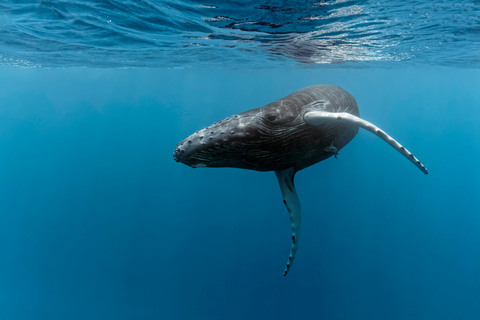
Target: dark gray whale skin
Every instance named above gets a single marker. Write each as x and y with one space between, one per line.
274 137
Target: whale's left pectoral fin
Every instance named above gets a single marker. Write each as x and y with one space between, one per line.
319 117
291 201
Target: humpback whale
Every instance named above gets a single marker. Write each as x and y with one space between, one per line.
285 136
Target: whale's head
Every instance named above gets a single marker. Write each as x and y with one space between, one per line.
274 137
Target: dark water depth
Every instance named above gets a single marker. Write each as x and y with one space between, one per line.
97 221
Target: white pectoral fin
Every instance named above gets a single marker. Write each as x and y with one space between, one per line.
291 201
320 117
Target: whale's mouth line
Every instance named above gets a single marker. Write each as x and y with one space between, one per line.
273 147
252 142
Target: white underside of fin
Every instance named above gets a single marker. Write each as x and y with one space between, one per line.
320 117
291 201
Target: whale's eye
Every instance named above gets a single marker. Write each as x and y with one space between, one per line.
271 117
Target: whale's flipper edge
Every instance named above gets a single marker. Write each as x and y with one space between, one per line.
319 117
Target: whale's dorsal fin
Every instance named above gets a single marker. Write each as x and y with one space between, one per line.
291 201
320 117
332 149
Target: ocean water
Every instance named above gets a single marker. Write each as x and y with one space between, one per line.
97 221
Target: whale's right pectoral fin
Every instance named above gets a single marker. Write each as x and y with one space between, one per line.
320 117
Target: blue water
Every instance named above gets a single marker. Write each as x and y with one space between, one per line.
97 221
